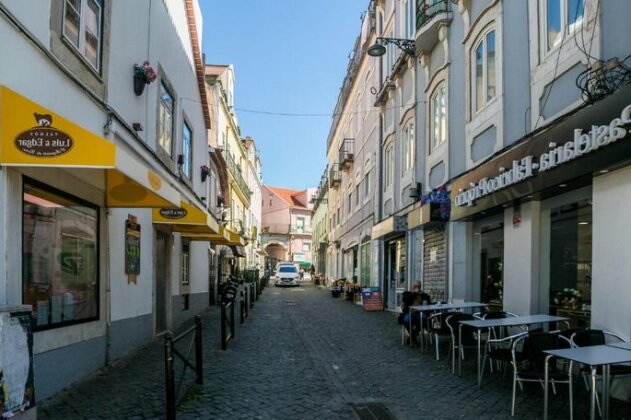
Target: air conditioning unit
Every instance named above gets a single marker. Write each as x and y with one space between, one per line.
415 192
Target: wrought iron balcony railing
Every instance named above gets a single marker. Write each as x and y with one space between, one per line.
346 155
335 178
235 170
427 9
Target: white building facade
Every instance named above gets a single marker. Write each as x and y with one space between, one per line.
92 162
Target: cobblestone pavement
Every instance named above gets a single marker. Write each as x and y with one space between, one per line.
302 353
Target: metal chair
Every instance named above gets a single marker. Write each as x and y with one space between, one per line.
458 342
529 363
438 329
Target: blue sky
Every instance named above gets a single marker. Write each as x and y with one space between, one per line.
290 56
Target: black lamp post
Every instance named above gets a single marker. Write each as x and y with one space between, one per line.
379 48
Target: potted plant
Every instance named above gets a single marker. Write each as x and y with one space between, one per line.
143 75
568 298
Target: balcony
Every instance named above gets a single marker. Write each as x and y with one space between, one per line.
301 230
235 170
346 155
335 179
430 16
277 228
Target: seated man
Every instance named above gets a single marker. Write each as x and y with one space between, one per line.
414 298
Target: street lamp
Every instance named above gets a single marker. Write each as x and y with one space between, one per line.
378 48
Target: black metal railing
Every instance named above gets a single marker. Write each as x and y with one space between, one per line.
243 299
334 175
427 9
227 322
177 386
346 156
237 174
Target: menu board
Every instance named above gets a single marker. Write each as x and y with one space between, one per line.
371 298
132 249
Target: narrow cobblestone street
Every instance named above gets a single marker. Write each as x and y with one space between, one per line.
304 354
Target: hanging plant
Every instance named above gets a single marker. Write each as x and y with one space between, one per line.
439 197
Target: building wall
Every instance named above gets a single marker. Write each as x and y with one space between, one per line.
125 318
610 251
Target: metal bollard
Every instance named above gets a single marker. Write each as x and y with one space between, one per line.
169 375
199 363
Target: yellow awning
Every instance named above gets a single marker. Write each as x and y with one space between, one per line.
223 237
186 219
33 136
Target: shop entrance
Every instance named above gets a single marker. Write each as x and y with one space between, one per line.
161 287
395 259
492 264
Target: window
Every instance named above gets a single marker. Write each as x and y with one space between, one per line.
165 119
483 72
389 165
410 19
390 56
367 184
350 203
357 196
186 263
187 153
306 246
408 146
561 16
300 225
82 28
438 118
59 257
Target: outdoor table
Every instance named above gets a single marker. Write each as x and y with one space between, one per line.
481 324
601 355
441 307
622 345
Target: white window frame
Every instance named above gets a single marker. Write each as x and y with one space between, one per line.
408 142
161 129
389 165
408 24
187 150
564 29
83 5
483 41
434 142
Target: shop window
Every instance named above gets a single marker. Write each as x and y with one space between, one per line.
571 261
364 263
59 257
492 264
165 119
82 28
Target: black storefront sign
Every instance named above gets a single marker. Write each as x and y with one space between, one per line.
524 168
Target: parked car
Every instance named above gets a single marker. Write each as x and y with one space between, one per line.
287 275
